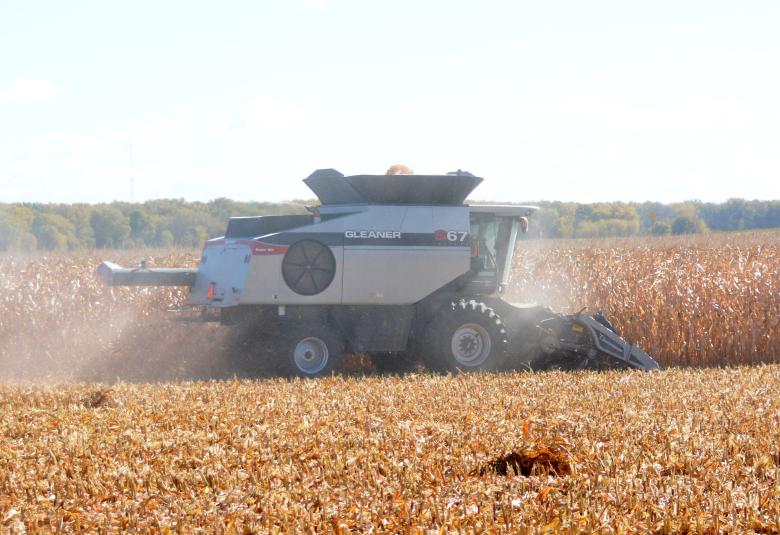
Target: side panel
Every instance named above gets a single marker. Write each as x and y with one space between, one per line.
400 275
404 268
385 255
262 282
265 284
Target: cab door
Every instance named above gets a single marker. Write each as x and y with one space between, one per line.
492 246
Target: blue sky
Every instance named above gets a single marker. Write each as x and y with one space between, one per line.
587 101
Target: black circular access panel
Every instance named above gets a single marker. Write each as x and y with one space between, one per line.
308 267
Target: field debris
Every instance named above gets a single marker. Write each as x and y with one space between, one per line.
99 398
528 461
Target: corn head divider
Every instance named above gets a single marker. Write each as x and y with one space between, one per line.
396 267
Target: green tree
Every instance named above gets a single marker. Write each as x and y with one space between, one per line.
164 238
684 225
142 228
81 216
53 232
191 227
661 228
110 226
606 219
15 224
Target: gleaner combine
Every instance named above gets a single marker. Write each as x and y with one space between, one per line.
397 267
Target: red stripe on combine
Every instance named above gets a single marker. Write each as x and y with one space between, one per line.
268 249
230 241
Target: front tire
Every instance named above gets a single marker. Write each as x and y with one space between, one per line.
314 350
467 336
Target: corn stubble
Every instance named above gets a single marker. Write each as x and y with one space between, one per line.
682 451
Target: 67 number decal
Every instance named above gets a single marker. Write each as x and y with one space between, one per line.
452 236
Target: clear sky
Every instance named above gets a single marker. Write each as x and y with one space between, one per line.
557 100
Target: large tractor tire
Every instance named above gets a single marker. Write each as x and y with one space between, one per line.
467 336
313 349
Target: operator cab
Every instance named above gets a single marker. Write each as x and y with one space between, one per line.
493 230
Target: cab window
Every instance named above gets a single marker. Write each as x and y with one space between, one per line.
489 240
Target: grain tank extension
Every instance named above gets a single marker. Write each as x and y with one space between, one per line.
397 267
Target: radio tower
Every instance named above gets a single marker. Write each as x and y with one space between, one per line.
132 192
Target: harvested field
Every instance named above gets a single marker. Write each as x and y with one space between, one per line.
681 451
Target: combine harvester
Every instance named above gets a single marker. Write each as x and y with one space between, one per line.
397 267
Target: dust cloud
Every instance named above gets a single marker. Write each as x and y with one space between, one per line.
535 279
58 323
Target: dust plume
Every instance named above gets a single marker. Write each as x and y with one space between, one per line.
539 277
59 323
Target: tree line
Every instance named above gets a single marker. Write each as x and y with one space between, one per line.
158 223
176 222
619 219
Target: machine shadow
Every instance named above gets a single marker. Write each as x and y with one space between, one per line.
152 351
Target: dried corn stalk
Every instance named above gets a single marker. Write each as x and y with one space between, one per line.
702 301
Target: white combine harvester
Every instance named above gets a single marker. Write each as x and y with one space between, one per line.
397 267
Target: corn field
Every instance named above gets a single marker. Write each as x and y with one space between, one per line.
694 301
700 301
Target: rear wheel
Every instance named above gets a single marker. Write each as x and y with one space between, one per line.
466 336
313 350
